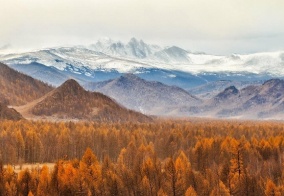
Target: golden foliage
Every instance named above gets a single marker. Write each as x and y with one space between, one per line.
18 89
161 158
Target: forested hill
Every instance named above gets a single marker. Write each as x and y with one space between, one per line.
17 88
71 101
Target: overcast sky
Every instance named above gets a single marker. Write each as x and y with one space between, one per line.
212 26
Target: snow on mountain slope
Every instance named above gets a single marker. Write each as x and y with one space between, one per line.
133 49
78 57
173 54
137 54
111 57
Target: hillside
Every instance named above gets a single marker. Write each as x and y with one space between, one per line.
71 101
149 97
17 88
264 101
211 89
9 113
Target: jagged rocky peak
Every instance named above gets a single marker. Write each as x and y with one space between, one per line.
134 40
138 44
142 43
102 44
134 48
117 45
139 49
105 40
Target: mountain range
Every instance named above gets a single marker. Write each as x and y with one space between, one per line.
264 101
257 101
107 59
70 101
136 49
148 97
146 78
25 97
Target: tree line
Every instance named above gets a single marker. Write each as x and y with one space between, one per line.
159 158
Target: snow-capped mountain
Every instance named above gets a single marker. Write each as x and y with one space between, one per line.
136 49
108 59
132 49
172 55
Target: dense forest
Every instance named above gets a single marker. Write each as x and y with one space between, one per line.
157 158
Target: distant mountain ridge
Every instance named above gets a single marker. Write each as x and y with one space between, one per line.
211 89
71 101
145 96
202 76
108 59
264 101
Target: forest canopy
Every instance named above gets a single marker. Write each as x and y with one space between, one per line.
157 158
